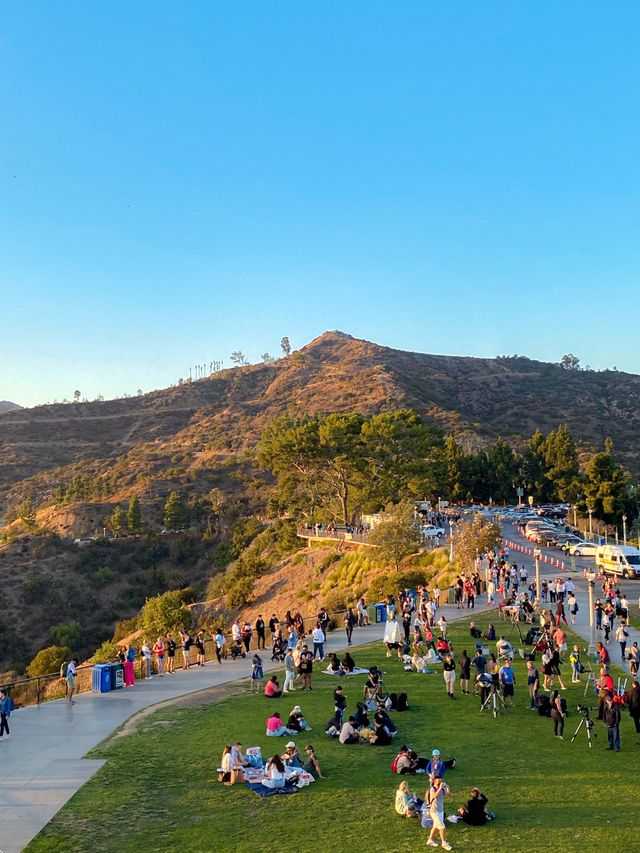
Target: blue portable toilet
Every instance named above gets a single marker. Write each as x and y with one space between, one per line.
101 678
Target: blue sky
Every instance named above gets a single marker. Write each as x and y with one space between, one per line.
178 181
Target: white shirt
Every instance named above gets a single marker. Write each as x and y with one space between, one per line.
236 631
317 635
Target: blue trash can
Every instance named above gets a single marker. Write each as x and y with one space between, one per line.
101 678
117 676
381 612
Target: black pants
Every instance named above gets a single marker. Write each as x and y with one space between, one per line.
636 721
4 725
261 640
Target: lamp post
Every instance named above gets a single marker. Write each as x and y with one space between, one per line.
624 529
537 553
590 511
451 540
575 517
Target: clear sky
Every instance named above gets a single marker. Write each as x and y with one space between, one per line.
180 180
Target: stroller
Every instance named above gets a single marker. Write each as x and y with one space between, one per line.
279 650
237 651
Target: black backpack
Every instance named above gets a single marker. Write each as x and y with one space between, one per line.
393 699
402 702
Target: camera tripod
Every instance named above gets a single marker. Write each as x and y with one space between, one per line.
587 722
496 700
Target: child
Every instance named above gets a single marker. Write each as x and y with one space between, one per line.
256 673
574 660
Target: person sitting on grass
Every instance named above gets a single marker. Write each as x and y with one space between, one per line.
407 803
274 773
334 663
490 633
348 662
475 632
474 812
272 688
291 756
296 721
311 764
348 732
382 718
372 685
504 649
333 726
436 767
362 716
275 726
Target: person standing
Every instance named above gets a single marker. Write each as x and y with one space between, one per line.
289 671
557 715
218 644
274 628
72 675
464 662
185 640
349 623
159 652
449 674
171 646
574 660
572 601
306 667
621 637
247 633
260 632
317 635
6 706
257 673
611 719
129 667
597 609
634 705
633 656
533 684
507 678
145 651
199 643
434 798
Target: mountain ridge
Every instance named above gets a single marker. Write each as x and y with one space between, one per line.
173 435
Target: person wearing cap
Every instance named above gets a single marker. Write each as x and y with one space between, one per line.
291 756
296 721
436 767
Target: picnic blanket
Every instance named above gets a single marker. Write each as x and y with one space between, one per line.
259 789
342 672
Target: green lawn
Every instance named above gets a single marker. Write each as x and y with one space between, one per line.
158 790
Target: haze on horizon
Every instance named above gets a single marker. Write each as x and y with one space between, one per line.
182 182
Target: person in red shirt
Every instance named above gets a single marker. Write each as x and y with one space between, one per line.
603 656
605 688
272 688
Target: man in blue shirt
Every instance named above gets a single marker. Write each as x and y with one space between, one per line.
507 680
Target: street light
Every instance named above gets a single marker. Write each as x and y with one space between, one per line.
575 517
590 511
537 553
624 529
451 540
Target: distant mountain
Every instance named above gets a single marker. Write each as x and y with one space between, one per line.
196 433
7 406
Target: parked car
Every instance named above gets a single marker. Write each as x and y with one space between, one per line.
583 549
431 532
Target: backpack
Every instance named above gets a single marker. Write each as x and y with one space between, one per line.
393 700
402 702
63 669
394 764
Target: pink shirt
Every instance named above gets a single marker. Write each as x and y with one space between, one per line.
273 724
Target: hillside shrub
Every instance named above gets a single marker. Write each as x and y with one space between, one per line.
125 627
107 652
67 634
240 592
48 661
164 613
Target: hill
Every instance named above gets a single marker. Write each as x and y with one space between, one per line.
8 406
199 431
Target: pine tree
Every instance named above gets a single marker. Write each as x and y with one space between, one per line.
175 512
285 346
116 521
134 516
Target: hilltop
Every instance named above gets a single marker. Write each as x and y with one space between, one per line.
8 406
201 433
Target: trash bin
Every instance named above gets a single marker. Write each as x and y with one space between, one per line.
117 676
372 613
101 678
452 596
381 612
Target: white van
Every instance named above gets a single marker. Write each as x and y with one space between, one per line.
620 560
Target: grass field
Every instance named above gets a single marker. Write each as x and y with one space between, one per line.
158 790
